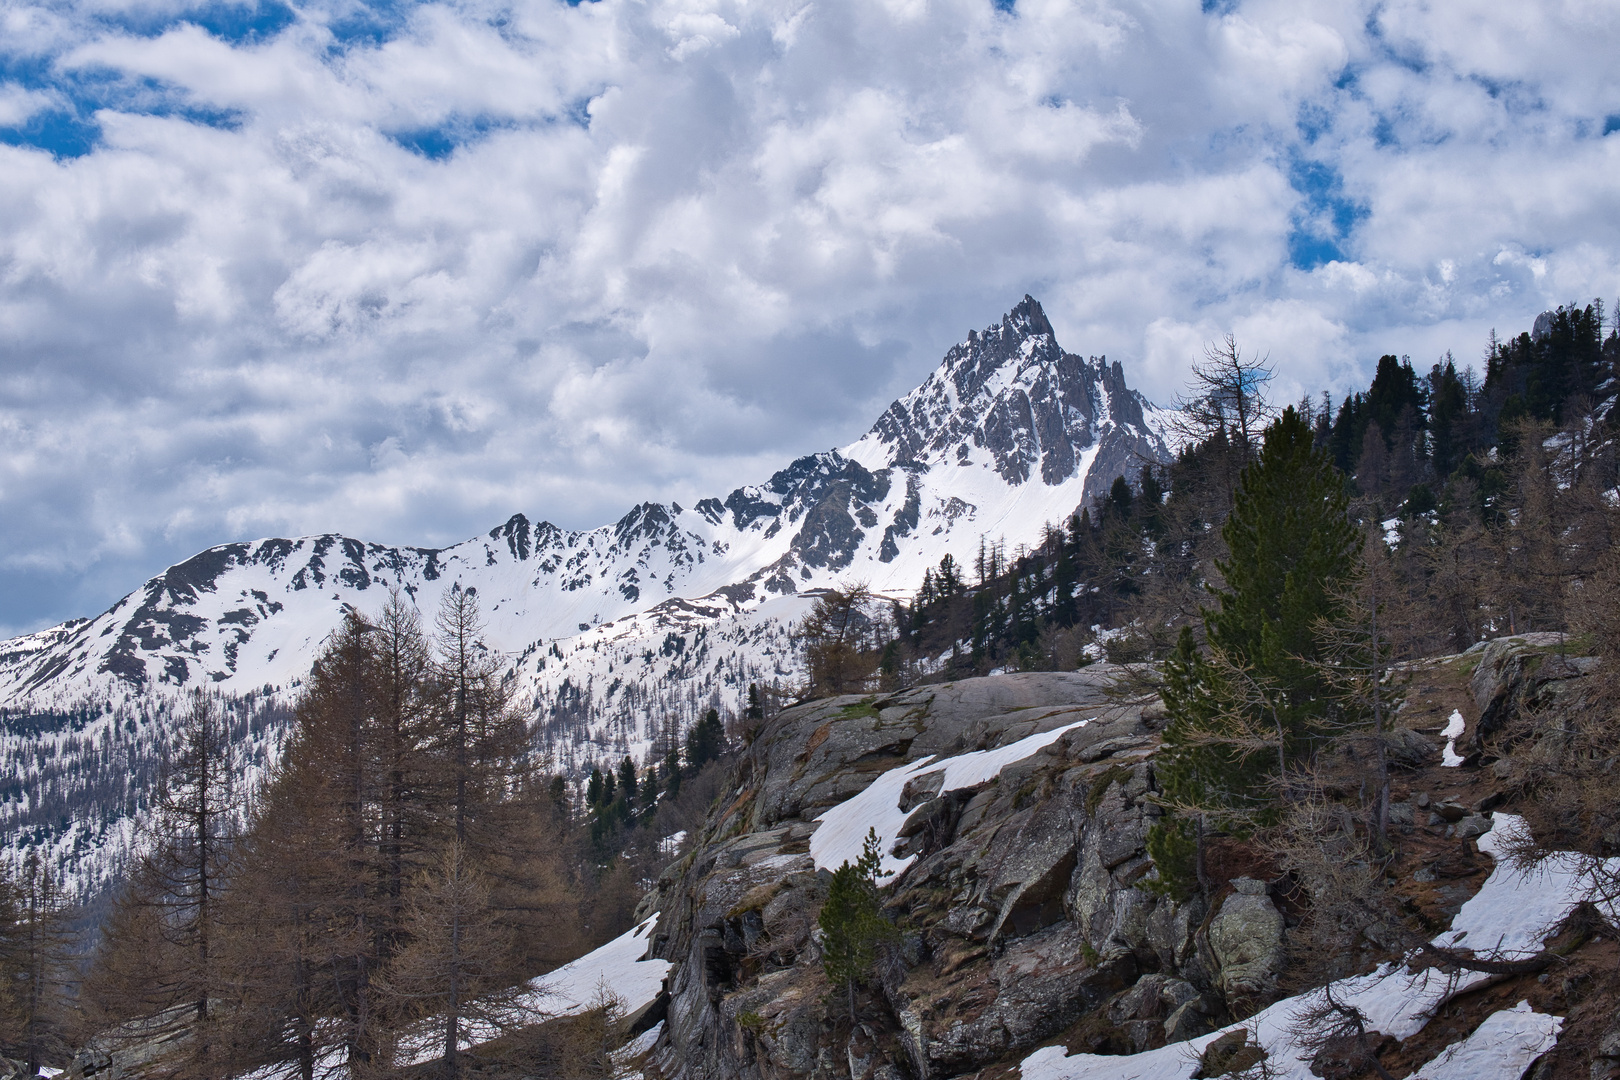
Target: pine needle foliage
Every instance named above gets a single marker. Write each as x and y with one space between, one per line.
853 929
1245 709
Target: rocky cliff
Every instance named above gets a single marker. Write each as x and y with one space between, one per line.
1013 813
1017 898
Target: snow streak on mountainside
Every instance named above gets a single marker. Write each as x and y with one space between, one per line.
612 632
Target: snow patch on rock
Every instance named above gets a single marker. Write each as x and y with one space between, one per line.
1509 917
844 827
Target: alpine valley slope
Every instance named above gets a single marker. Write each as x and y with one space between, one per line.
610 634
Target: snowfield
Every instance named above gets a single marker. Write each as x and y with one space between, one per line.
616 969
1504 1045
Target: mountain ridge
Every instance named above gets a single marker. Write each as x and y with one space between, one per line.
612 635
833 498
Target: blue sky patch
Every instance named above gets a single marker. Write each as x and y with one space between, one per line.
238 24
1611 124
441 140
578 112
245 24
60 132
435 144
369 24
1323 224
1384 131
1401 56
1218 7
1314 121
69 129
1514 95
29 72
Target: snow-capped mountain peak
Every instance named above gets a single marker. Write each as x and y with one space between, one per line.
610 632
1011 396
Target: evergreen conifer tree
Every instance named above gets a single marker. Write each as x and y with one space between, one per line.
1241 714
672 773
705 740
853 928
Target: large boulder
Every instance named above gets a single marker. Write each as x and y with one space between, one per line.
1518 674
135 1049
1246 938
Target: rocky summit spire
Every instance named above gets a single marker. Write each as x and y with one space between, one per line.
1029 317
1011 397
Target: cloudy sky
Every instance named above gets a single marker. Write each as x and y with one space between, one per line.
400 270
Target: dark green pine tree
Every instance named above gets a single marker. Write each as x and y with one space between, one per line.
1395 388
672 773
1448 419
1120 497
853 928
1150 503
1065 611
1293 547
706 740
1344 441
627 778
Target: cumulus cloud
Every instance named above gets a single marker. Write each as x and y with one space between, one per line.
402 269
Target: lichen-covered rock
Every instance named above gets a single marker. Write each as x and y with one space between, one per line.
1145 1011
135 1049
1102 899
1517 673
822 753
1188 1022
1229 1055
1246 938
1408 749
1039 985
1606 1054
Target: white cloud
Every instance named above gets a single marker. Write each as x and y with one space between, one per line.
515 255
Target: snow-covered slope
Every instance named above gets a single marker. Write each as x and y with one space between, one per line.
613 631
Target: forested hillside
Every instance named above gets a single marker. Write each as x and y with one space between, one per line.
1490 493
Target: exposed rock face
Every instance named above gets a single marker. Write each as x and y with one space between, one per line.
135 1049
1606 1055
1014 392
1246 937
1021 912
1527 671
